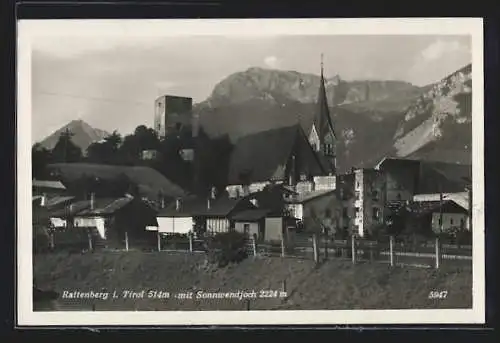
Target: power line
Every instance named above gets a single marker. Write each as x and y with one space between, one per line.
138 103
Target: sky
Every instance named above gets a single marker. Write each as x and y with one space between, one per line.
112 82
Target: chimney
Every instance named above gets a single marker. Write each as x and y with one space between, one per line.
43 200
213 193
177 204
92 200
208 203
162 202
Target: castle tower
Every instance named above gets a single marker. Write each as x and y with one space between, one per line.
322 136
172 114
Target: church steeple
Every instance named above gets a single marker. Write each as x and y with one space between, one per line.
322 136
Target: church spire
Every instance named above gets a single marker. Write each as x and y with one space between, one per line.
322 136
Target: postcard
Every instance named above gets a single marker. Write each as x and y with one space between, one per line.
250 172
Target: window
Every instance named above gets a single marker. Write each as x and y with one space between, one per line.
357 184
451 221
357 195
440 222
328 149
376 213
246 229
375 195
398 196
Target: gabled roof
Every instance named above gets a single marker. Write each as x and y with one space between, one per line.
102 206
193 206
251 215
48 184
461 198
426 207
450 177
263 156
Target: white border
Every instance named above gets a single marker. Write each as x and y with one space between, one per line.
29 30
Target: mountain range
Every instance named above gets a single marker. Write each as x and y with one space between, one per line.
373 118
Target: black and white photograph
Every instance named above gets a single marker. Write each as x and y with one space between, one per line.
250 171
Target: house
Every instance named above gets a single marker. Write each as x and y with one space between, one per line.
459 198
407 177
318 210
192 213
112 220
346 198
251 222
369 200
438 216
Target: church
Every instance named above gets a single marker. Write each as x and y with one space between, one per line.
303 160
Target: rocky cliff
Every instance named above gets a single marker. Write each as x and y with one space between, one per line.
439 119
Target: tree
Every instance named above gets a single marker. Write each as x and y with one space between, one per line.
65 150
105 151
143 138
40 157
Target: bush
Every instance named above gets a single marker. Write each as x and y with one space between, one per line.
227 247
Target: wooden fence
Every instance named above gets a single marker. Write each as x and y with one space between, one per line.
302 246
429 254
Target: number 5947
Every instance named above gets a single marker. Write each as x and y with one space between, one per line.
438 294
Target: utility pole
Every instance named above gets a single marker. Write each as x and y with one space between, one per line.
440 209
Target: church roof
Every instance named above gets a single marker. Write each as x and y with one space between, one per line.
264 156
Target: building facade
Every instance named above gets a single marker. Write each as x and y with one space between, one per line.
172 113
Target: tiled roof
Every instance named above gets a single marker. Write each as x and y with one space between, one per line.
48 184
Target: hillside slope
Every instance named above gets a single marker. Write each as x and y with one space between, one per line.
439 123
83 135
334 285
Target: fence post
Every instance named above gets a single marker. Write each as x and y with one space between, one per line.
282 246
353 249
158 238
254 246
52 244
126 240
89 236
315 248
371 251
437 252
391 250
190 242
